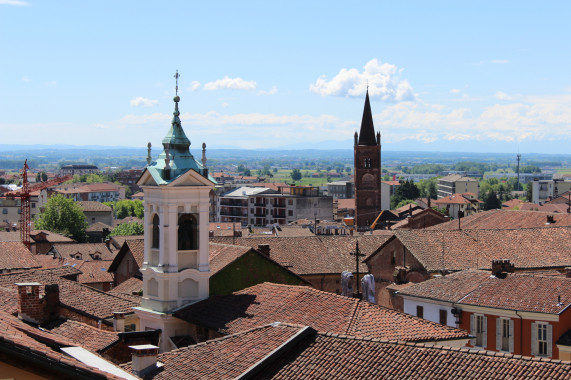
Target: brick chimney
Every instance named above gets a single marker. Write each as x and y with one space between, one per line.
119 321
144 359
500 268
264 249
30 308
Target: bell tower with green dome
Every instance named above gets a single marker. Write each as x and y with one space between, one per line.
175 270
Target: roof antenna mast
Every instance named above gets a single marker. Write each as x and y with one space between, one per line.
176 76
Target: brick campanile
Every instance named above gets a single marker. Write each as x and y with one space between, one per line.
367 171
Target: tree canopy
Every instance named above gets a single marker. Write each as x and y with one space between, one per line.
406 190
491 201
63 216
128 229
127 207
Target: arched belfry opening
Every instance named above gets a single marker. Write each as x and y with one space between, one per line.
156 232
187 232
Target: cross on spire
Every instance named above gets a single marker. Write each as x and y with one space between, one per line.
176 76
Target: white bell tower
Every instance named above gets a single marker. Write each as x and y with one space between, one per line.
175 269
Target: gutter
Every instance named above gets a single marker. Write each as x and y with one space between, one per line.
261 365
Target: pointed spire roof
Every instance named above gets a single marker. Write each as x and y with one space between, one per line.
179 159
367 133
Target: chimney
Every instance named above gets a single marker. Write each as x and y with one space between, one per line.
264 249
30 308
108 243
51 307
500 268
144 359
119 321
550 219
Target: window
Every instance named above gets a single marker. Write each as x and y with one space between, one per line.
420 311
478 328
187 232
290 202
541 335
33 205
394 258
443 317
156 232
505 335
290 212
4 211
251 200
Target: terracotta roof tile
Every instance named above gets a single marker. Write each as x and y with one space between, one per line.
97 304
323 311
14 255
475 249
43 346
99 226
221 255
551 207
346 203
93 206
313 254
88 337
95 272
86 251
496 219
301 353
128 287
519 291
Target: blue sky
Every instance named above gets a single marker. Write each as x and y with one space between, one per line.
443 76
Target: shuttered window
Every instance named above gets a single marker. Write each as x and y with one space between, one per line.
443 317
541 339
420 312
478 329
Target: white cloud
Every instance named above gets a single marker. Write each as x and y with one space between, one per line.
50 83
272 91
500 61
502 96
144 102
225 105
383 80
455 91
26 79
15 2
231 84
194 85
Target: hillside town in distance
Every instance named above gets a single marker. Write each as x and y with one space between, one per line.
178 269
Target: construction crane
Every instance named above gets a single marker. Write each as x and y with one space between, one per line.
24 195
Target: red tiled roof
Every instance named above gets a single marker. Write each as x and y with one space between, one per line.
95 303
128 287
313 254
392 183
221 255
519 291
98 227
93 206
475 249
137 248
95 272
19 339
346 203
87 251
326 312
496 219
550 207
15 255
88 337
453 199
284 351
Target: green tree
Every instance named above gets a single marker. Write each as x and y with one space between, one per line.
63 216
530 169
491 201
406 190
128 229
296 174
404 202
247 172
41 177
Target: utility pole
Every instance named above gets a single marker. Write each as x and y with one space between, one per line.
357 255
518 159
